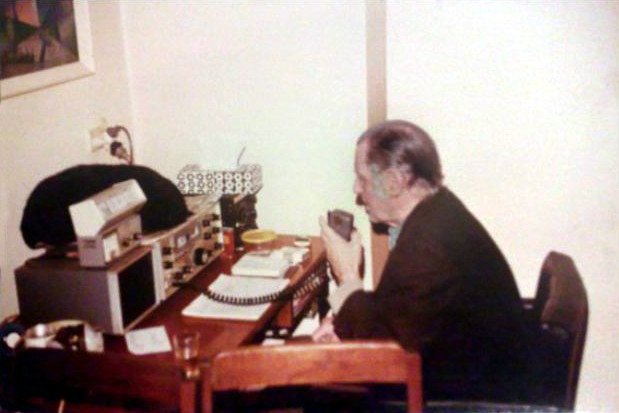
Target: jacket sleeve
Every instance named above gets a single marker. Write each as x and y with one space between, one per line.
415 300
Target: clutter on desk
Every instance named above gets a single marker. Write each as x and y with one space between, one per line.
72 335
269 263
294 255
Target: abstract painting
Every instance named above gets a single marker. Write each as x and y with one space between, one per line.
38 39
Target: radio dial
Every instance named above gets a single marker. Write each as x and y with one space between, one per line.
200 256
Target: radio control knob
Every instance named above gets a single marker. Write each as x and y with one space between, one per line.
215 230
200 256
217 245
206 222
215 216
168 264
166 250
186 269
207 235
177 276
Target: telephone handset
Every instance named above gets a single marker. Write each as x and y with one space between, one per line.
300 289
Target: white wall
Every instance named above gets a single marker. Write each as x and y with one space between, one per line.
286 80
46 131
523 101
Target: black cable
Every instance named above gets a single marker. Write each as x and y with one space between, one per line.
300 289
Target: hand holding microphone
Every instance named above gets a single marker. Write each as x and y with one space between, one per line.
344 255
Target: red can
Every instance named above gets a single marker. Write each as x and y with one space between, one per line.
228 235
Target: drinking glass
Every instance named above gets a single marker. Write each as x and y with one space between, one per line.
186 352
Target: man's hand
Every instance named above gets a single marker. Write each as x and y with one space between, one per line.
345 257
325 333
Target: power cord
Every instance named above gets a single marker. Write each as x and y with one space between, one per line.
117 149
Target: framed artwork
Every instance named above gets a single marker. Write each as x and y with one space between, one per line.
43 43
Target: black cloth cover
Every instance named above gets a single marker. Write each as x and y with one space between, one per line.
46 218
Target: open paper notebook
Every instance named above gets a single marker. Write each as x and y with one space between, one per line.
239 287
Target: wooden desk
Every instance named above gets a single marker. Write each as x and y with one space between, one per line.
151 380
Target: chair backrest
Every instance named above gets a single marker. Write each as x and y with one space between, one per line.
103 380
357 361
562 306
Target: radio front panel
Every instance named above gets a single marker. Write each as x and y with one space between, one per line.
187 249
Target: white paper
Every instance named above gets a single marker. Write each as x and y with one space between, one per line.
293 255
148 340
261 265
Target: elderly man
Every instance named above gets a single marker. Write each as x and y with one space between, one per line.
446 289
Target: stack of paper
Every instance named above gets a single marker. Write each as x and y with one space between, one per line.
261 265
294 255
239 287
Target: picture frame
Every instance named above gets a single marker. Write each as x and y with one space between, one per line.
42 78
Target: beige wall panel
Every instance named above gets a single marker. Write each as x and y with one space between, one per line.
522 99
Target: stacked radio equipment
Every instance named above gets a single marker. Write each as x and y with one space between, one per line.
114 283
107 225
182 252
236 187
123 272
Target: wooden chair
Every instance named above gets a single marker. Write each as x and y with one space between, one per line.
557 317
562 309
360 361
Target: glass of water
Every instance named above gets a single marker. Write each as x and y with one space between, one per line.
186 352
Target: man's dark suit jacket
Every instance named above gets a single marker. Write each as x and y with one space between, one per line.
448 292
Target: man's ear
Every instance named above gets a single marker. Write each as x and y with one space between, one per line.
394 182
